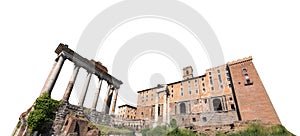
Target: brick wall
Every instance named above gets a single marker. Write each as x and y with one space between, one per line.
251 96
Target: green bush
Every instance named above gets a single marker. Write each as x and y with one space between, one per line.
173 123
259 130
44 111
181 132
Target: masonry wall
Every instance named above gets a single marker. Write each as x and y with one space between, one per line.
251 96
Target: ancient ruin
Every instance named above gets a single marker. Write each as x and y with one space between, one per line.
223 99
77 124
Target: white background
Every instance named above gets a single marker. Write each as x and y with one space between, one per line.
31 30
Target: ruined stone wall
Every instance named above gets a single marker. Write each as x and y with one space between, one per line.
251 96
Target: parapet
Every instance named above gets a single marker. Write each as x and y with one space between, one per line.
240 61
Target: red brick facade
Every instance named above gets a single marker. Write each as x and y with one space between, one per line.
251 96
224 94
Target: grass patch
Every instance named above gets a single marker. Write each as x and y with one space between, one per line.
112 130
256 129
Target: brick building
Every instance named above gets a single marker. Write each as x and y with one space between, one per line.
127 112
224 94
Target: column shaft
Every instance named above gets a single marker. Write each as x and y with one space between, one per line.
71 83
156 110
85 89
114 101
165 109
107 100
96 97
53 75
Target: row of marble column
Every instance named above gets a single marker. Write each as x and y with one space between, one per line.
109 101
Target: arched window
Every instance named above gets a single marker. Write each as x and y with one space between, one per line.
182 108
217 105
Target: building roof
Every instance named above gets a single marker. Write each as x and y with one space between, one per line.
127 105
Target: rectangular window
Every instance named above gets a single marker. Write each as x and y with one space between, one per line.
203 84
196 90
190 92
202 79
218 70
209 73
221 87
181 91
212 88
194 119
210 80
220 79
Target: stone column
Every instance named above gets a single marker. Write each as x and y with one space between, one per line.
156 110
168 110
114 101
105 106
165 108
96 97
53 75
85 89
71 83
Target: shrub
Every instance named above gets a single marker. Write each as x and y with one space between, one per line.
173 123
43 112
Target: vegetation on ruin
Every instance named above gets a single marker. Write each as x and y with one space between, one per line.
256 129
105 130
43 113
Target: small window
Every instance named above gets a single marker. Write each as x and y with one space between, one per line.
194 119
205 101
209 73
220 78
204 119
244 70
218 70
230 98
203 84
190 92
232 107
212 88
203 90
195 80
202 78
142 113
221 87
196 90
